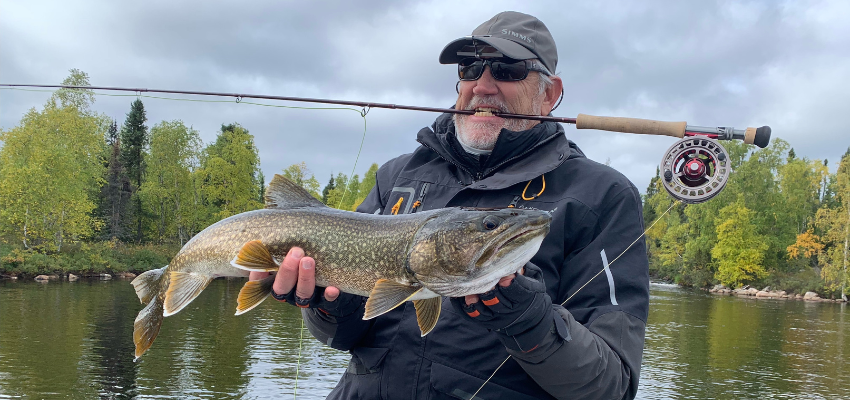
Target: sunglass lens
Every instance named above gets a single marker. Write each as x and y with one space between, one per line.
470 69
509 71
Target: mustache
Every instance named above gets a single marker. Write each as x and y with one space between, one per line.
490 101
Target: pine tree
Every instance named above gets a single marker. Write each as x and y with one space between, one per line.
116 191
328 188
134 140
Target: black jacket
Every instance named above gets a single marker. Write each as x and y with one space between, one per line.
596 209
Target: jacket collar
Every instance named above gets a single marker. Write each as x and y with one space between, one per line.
518 155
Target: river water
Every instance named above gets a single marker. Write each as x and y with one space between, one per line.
74 340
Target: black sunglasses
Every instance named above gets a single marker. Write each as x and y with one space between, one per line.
502 69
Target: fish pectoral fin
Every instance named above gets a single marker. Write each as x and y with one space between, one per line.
182 289
427 313
146 284
146 326
387 295
255 256
253 293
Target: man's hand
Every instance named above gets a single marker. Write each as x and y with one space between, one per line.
295 283
517 309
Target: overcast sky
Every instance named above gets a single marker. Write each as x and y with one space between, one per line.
785 64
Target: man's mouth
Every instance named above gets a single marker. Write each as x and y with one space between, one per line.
485 111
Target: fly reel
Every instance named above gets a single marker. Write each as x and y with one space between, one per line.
695 169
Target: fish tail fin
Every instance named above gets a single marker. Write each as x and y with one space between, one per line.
253 293
146 284
147 324
254 256
182 289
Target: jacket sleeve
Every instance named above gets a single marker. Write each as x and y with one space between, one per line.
599 358
343 332
598 361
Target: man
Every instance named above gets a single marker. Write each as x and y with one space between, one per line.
590 349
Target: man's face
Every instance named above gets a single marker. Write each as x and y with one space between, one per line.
482 129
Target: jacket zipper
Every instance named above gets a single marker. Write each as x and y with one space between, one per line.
421 197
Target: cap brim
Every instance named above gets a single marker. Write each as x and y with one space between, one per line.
508 48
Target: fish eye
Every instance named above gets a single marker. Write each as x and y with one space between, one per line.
491 222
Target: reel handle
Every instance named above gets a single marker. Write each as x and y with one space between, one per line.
757 136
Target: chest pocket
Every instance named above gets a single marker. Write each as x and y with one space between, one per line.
406 199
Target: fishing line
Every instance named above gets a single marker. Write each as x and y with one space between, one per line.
298 364
363 139
582 287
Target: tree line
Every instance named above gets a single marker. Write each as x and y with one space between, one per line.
782 221
69 174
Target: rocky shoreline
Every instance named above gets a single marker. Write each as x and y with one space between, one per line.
71 277
766 293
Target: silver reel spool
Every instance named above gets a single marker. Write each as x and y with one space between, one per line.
695 169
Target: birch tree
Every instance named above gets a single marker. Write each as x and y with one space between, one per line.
167 190
50 169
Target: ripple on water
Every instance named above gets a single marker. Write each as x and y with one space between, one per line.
75 340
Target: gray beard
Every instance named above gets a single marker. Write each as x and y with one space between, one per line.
483 136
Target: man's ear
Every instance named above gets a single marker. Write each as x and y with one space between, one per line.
552 95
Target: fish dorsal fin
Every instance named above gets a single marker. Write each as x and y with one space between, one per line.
387 295
427 313
282 193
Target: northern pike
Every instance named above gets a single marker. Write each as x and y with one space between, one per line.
389 258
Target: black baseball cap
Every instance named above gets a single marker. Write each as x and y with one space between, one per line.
515 35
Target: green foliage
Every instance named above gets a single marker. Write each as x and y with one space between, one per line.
833 222
134 141
116 192
806 280
739 250
366 185
167 191
228 177
335 195
330 186
86 258
50 169
745 233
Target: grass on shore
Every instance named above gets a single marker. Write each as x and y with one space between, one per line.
85 258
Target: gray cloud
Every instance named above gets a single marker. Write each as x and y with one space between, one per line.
746 63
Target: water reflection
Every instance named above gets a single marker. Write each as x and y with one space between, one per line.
701 346
75 340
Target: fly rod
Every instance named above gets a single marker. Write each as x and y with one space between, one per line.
758 136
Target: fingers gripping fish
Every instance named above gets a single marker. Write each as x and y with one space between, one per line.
391 259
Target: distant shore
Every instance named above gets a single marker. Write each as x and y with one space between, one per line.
97 260
767 293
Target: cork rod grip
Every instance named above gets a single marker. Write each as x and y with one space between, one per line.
631 125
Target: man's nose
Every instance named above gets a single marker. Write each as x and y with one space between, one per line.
485 85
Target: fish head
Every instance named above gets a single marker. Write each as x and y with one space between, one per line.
463 251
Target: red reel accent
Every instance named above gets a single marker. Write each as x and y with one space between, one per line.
695 169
